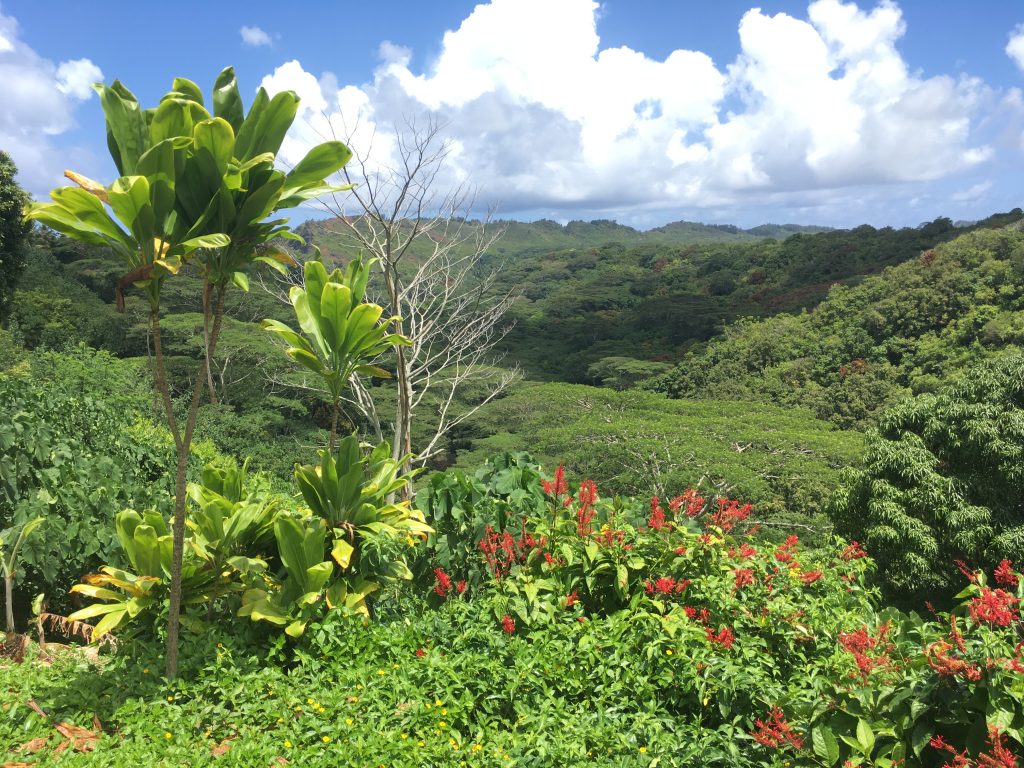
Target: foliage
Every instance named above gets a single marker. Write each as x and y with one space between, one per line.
353 526
721 648
10 543
943 482
914 327
783 460
13 233
77 455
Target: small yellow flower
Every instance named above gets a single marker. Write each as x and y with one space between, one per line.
668 652
643 749
359 687
442 724
325 739
145 671
421 743
298 709
437 702
477 747
405 736
348 721
170 698
168 735
444 711
309 701
381 672
287 744
396 666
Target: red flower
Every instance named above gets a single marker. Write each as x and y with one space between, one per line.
508 624
586 511
998 756
571 599
939 659
666 585
444 583
657 519
729 513
724 637
776 732
461 586
558 487
743 577
869 651
971 575
810 577
853 551
420 652
1005 574
994 606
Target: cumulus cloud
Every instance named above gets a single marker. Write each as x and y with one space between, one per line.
38 101
254 36
810 104
1015 47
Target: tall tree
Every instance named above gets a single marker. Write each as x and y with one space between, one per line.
192 187
13 233
429 253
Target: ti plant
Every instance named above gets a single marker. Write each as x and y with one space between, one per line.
341 333
350 544
9 563
191 182
228 527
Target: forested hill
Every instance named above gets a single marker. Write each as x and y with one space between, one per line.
911 329
544 236
609 314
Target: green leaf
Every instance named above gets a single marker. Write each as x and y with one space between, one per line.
216 138
825 745
227 103
319 163
865 737
342 552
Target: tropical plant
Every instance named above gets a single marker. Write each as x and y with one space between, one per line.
942 482
189 181
341 333
352 525
13 538
13 233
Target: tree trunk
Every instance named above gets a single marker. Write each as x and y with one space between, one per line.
334 425
9 603
184 443
206 345
403 409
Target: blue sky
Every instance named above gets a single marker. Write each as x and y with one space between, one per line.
645 111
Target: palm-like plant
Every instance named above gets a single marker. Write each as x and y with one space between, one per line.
341 333
190 182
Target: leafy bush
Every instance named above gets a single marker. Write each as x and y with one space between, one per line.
943 482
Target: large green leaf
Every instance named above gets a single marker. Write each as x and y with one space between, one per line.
227 103
127 132
319 163
216 137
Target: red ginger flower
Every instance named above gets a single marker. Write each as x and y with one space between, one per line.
939 659
810 576
729 513
1005 574
776 732
656 521
420 652
508 624
994 606
694 502
998 756
444 583
571 600
557 487
869 652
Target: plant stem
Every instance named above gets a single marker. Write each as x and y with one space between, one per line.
180 482
9 602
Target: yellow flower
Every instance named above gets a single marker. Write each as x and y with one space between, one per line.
298 709
396 666
145 671
287 744
168 735
421 744
170 698
668 652
437 702
643 749
325 739
359 687
309 701
405 736
442 724
477 747
444 711
381 672
348 721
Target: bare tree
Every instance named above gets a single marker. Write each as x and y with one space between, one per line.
430 256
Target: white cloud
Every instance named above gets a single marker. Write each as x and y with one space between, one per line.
37 101
75 78
1015 47
254 36
973 193
815 104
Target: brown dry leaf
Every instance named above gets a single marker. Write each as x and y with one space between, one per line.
33 746
281 761
82 740
96 722
61 747
221 748
18 765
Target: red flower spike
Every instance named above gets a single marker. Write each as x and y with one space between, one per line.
995 607
776 733
508 624
1005 574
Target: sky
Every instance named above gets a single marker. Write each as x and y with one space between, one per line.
643 111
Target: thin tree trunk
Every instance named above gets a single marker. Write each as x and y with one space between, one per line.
206 345
334 426
180 482
9 603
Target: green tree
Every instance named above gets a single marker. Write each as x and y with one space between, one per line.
943 481
13 233
196 185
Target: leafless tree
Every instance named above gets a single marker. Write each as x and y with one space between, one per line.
430 256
